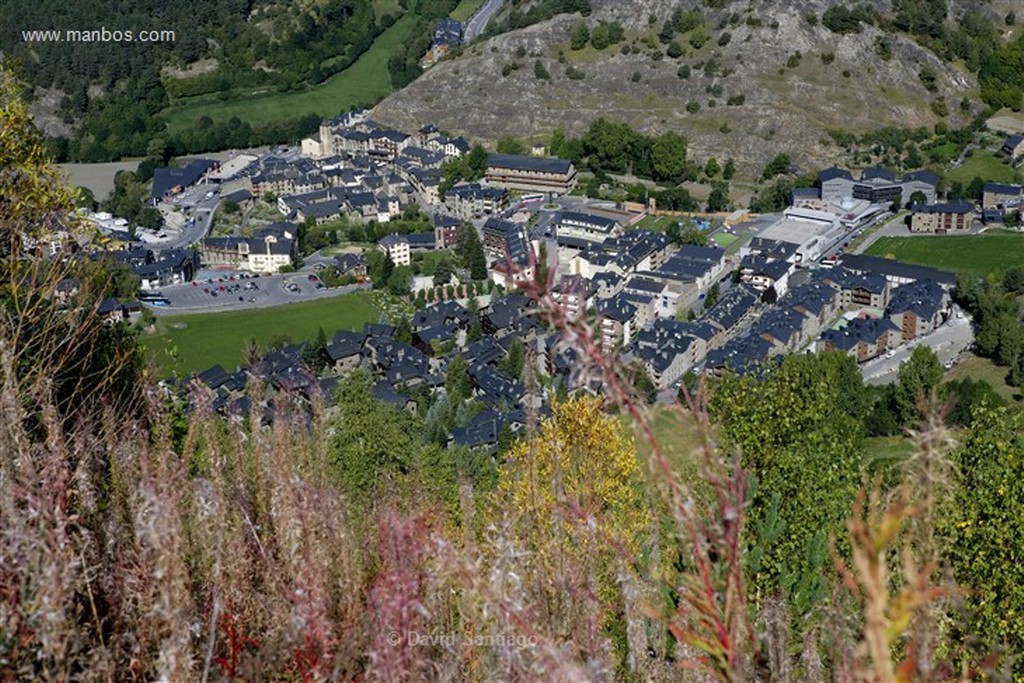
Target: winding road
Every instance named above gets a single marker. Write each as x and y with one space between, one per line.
478 22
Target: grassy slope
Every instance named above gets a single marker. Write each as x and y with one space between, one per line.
985 253
982 164
365 82
210 338
977 368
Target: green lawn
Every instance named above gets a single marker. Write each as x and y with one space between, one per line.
724 239
986 253
982 164
205 339
466 9
944 153
365 82
657 223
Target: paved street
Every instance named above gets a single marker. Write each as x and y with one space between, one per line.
948 342
478 22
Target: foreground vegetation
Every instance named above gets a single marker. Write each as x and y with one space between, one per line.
185 344
150 539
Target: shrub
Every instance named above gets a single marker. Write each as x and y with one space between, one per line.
693 107
684 71
580 37
939 107
540 71
635 77
828 57
520 52
674 50
794 60
736 100
574 74
724 39
928 77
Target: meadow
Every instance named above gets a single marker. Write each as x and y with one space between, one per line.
990 252
981 164
367 81
185 344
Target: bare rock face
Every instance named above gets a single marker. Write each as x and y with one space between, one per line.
779 102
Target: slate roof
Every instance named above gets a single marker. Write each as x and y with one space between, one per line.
946 207
884 266
859 330
525 163
833 173
923 176
1001 188
924 298
732 306
166 179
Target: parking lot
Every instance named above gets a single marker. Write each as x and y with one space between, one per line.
223 290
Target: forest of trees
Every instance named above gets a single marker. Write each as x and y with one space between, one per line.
116 91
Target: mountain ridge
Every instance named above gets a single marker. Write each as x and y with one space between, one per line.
788 103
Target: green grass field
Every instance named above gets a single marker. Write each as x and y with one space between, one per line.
723 239
366 81
990 252
982 164
466 9
205 339
657 223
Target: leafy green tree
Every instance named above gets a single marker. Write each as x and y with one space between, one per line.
982 535
718 200
711 298
919 376
729 170
471 252
512 363
686 232
509 145
475 331
379 267
776 166
314 352
794 433
668 156
374 443
443 272
457 384
712 167
400 280
580 37
965 396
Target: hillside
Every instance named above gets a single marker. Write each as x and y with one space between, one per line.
788 80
